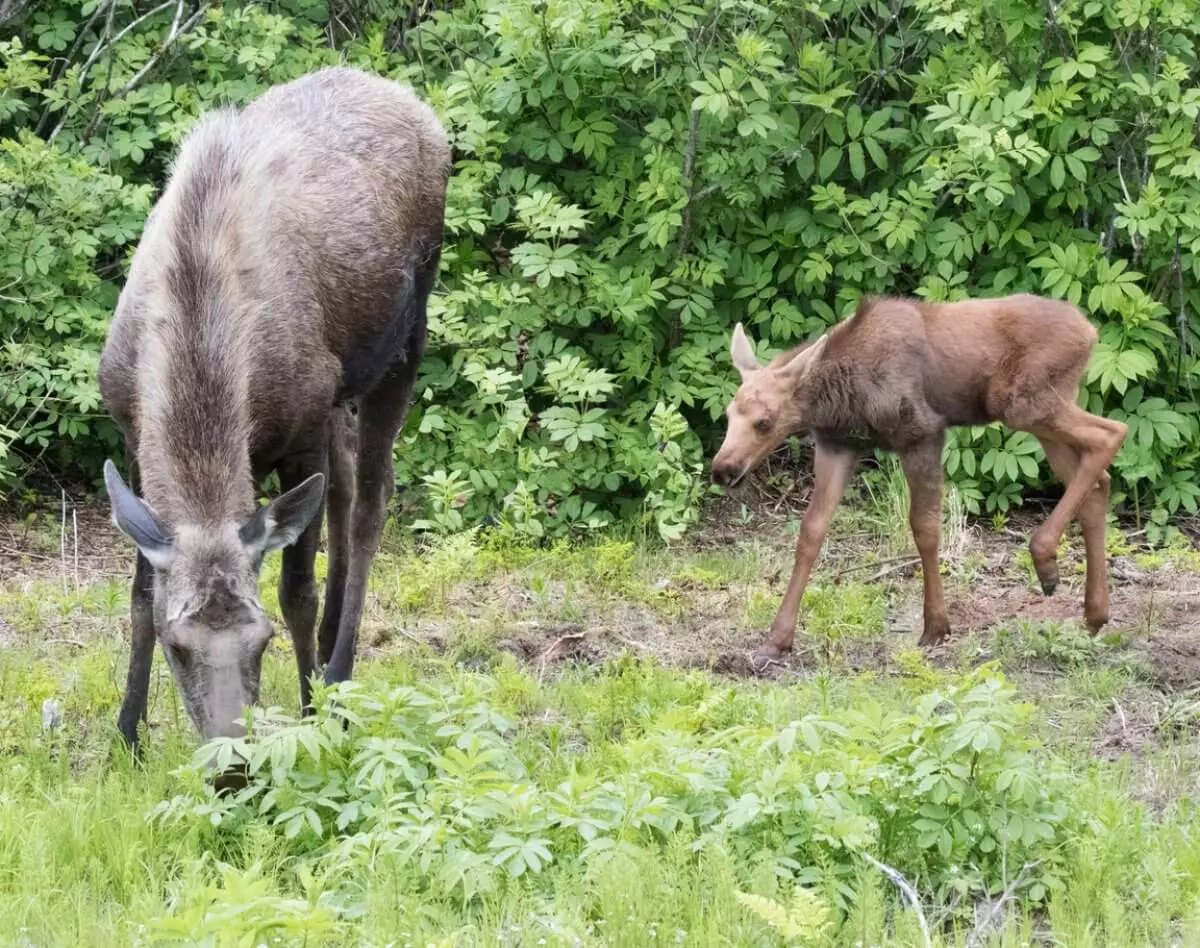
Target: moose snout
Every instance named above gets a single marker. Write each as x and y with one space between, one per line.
726 474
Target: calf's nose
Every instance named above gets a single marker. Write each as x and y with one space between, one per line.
724 474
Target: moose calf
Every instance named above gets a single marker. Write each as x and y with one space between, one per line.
897 374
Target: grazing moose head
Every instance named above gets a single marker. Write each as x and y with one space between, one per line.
207 612
765 411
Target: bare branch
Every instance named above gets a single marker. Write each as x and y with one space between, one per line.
104 43
176 32
981 926
689 171
105 9
10 8
909 893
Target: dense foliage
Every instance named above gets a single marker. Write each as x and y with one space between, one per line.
424 781
633 178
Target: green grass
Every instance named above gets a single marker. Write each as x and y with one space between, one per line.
478 799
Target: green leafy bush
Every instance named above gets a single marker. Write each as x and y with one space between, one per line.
630 181
431 780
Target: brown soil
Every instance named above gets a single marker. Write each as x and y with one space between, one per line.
1158 610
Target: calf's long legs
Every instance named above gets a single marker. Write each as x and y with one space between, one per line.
831 471
1093 518
923 470
1095 442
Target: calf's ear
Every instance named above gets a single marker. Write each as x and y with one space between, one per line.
742 352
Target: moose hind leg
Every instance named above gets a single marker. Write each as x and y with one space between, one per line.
141 646
297 578
1096 442
1093 520
381 415
379 421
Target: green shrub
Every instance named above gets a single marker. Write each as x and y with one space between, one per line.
631 179
430 778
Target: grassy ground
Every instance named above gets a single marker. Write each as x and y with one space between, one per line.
565 747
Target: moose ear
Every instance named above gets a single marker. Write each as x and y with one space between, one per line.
281 522
136 520
742 353
804 362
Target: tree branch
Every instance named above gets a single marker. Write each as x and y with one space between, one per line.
176 32
105 43
689 174
909 893
981 926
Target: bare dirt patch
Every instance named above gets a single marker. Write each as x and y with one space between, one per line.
695 623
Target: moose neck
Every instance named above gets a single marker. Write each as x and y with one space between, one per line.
828 397
194 446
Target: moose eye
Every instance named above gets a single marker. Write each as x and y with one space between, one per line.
762 426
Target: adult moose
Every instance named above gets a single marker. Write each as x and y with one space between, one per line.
897 374
273 319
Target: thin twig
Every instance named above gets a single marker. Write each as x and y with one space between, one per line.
981 926
875 577
909 893
902 560
552 649
1124 723
75 537
176 32
72 642
102 9
62 543
689 170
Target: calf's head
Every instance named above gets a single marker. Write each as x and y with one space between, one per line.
207 613
768 407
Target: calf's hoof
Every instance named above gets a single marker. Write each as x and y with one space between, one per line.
935 633
1045 564
765 654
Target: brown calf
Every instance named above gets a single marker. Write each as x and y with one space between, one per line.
896 375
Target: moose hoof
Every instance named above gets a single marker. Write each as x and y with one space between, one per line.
765 655
934 634
1045 564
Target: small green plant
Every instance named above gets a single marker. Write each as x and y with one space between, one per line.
243 910
837 611
804 921
1058 644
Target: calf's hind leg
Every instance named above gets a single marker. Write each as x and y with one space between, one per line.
339 502
381 415
380 418
1095 441
141 647
1093 519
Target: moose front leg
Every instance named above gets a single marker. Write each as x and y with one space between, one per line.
831 471
923 471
